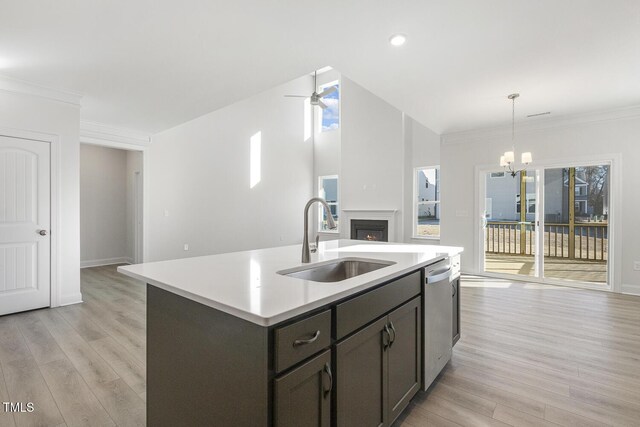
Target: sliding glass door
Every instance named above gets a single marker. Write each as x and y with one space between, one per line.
510 244
576 223
548 223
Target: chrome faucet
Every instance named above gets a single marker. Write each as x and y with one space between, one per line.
330 222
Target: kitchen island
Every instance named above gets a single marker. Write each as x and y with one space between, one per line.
240 339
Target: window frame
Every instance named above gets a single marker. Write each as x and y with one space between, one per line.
336 204
322 87
530 202
414 234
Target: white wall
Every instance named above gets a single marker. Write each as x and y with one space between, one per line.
197 178
103 206
422 148
372 159
595 135
59 120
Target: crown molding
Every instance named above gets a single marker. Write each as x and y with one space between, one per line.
23 87
110 136
500 132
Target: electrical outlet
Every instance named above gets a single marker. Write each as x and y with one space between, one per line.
636 265
186 246
166 213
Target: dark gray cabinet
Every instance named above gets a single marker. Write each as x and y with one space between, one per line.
379 369
405 357
362 380
455 296
302 397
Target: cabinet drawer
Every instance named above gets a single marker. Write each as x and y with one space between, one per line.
353 314
294 343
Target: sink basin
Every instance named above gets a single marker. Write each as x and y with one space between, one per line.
336 271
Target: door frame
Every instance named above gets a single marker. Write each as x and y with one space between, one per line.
138 219
54 203
614 269
141 232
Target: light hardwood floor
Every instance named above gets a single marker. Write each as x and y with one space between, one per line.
536 355
81 365
529 355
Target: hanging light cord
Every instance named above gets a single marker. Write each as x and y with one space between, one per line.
513 124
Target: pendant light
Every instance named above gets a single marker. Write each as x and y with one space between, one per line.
508 158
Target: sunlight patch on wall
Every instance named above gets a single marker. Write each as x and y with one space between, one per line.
254 159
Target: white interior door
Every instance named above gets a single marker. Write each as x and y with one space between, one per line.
25 242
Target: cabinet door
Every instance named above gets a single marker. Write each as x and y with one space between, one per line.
455 291
361 365
405 356
303 396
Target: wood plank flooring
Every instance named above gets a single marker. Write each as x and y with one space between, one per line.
555 268
530 355
81 365
537 355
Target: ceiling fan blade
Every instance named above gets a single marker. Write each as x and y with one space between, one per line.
327 91
322 104
295 96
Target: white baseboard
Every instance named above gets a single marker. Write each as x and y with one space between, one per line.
107 261
70 299
631 289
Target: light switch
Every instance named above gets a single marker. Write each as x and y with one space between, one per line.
186 246
636 265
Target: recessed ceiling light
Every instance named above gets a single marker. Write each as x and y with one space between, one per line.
398 39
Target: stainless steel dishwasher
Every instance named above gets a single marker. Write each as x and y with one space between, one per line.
438 312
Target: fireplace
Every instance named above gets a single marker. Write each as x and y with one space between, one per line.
370 229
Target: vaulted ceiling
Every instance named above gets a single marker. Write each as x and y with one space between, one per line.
150 65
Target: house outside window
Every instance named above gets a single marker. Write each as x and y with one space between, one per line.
531 203
330 116
427 202
328 190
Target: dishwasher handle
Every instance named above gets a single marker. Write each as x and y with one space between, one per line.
438 275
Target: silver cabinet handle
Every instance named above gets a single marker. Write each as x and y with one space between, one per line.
327 370
453 285
307 341
393 329
42 232
387 344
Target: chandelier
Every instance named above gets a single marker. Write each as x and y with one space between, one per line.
508 158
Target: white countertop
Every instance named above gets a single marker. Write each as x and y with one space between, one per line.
247 285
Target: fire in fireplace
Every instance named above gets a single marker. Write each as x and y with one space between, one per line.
370 229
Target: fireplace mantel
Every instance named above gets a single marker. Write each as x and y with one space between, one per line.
389 214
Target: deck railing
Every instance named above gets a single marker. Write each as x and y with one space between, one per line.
516 238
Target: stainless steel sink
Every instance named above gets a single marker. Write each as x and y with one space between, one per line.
336 271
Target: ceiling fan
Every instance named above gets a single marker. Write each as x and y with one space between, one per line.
316 98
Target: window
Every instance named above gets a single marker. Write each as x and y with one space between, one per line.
427 202
496 174
330 116
328 190
531 203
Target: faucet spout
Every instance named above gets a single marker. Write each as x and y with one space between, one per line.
330 222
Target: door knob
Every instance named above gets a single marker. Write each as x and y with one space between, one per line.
42 232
